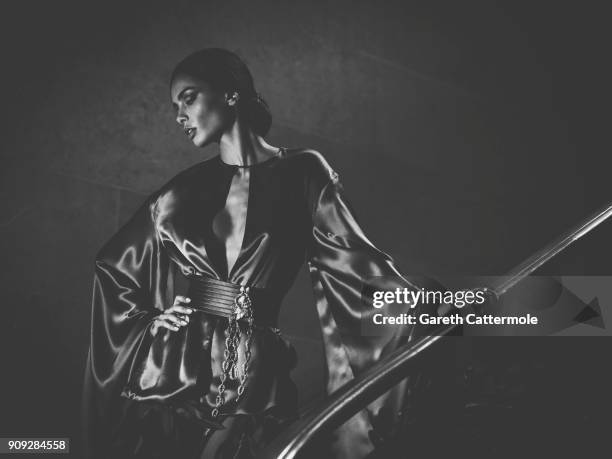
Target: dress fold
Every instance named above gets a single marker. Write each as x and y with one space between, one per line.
143 392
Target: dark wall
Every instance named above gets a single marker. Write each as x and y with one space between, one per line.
466 136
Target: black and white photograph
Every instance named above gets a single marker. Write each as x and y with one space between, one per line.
305 229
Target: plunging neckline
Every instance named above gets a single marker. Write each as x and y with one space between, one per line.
229 272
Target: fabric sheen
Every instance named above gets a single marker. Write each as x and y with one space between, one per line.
296 212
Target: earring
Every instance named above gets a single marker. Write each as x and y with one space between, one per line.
235 97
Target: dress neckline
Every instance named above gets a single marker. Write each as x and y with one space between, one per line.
279 154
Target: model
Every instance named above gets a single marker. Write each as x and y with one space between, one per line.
207 373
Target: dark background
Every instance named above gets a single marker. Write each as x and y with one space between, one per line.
467 136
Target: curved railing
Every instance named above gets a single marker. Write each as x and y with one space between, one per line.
378 379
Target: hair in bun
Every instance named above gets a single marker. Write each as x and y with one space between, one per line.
256 113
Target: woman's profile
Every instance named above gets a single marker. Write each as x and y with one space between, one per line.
206 374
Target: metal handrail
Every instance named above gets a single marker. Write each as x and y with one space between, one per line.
349 399
380 377
554 248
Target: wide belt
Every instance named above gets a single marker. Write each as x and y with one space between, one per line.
225 299
236 303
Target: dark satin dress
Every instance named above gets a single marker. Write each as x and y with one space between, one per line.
296 212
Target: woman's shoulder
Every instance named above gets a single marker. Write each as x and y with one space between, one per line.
314 163
158 202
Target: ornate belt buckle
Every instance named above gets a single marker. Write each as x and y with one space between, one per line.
242 302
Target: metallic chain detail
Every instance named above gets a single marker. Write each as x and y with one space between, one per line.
247 353
232 342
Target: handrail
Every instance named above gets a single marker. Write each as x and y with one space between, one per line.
380 377
549 251
349 399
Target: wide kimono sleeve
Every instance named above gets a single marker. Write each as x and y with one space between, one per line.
343 264
132 284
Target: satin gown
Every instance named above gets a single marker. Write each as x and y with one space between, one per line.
296 212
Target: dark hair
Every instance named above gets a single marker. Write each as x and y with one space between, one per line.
225 71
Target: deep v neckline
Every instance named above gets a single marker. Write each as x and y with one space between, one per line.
240 219
250 202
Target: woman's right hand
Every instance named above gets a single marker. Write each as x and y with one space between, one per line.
174 317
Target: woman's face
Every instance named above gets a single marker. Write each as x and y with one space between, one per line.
203 114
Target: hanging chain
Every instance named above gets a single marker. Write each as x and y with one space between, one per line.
247 352
229 355
232 343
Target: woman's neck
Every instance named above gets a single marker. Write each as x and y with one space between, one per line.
242 147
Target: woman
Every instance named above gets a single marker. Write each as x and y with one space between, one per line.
207 374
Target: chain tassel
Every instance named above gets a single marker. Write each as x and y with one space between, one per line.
232 342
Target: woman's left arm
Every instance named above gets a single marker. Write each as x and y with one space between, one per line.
344 264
